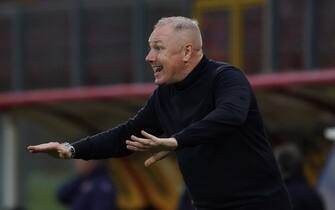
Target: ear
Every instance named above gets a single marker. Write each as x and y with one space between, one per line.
187 52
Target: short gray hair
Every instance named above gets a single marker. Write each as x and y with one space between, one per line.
180 23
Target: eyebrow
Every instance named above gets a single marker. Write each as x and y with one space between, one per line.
155 42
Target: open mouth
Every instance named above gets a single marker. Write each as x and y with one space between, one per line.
157 68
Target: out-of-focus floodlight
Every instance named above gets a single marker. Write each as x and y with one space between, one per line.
329 133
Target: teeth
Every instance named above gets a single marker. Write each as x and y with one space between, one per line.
157 68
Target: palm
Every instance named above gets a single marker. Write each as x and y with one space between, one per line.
53 149
159 147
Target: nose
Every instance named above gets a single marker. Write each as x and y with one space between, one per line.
150 57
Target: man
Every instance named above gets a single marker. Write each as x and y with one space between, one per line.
91 189
206 112
303 195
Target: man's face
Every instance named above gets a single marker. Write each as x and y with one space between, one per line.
165 55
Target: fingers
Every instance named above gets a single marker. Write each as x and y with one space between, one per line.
149 143
156 157
164 143
149 136
140 144
137 146
143 141
134 147
43 147
53 149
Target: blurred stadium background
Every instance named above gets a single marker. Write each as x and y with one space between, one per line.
71 68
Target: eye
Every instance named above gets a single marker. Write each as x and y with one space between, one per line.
157 48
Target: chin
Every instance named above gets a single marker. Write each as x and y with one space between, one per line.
159 82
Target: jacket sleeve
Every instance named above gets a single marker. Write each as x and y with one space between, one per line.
232 93
111 143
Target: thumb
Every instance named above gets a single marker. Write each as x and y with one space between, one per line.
156 157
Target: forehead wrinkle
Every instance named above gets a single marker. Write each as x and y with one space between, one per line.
155 42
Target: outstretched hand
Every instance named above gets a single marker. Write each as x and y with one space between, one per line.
54 149
159 147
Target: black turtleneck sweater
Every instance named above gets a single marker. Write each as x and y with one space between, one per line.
223 153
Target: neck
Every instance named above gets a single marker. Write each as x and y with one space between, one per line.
191 64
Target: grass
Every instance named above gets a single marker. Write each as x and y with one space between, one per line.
42 189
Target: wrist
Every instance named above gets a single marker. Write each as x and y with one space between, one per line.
70 149
173 143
